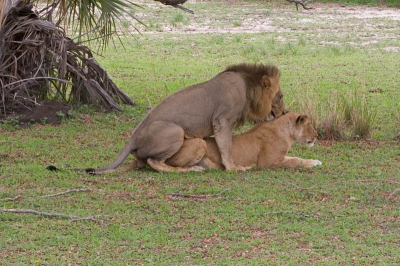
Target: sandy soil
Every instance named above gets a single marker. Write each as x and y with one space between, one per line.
257 18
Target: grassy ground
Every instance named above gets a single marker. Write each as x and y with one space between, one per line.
390 3
344 212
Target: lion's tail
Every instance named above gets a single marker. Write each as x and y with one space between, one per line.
119 160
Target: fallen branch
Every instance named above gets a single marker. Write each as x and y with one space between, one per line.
47 214
299 2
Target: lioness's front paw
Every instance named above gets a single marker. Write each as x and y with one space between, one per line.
196 168
237 168
311 163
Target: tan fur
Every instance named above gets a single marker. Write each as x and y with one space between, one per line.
264 146
214 107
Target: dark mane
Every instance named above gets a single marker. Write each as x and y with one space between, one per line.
253 73
253 76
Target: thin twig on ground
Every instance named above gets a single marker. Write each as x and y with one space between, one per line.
12 199
52 215
47 214
291 212
358 181
50 195
394 192
196 196
354 181
223 191
66 192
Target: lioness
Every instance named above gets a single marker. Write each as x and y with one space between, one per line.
214 107
265 146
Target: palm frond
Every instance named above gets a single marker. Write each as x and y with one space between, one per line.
91 19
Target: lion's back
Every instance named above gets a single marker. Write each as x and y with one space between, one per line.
194 108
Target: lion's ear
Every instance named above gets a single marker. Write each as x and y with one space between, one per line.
301 119
266 82
271 84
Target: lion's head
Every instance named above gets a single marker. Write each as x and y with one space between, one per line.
277 108
264 95
304 132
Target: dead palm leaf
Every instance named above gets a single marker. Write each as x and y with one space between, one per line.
38 62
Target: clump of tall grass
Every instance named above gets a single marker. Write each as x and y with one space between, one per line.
340 116
362 117
333 124
309 107
326 116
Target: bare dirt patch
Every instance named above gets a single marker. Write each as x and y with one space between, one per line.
44 112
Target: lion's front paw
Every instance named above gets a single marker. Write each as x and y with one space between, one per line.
312 163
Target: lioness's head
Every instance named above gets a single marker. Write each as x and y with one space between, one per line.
304 131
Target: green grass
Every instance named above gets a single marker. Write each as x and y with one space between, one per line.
389 3
345 212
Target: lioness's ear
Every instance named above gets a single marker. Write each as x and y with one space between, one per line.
266 82
301 119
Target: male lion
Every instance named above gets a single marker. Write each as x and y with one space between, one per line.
264 146
214 107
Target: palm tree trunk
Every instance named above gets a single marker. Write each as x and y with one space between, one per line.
38 62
